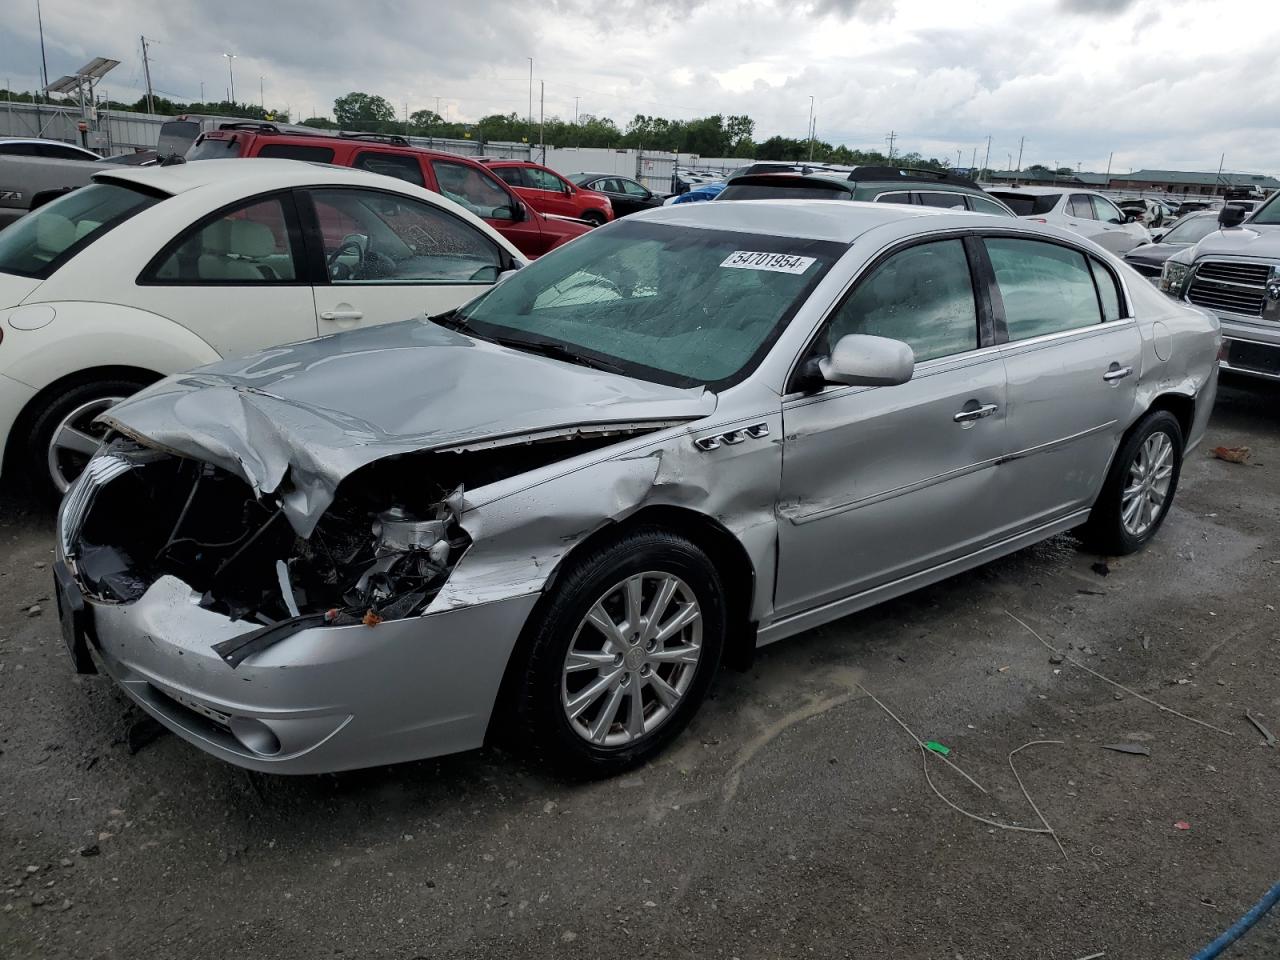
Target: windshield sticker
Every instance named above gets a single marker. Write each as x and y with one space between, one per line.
777 262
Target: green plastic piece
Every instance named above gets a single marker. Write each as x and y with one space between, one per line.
936 747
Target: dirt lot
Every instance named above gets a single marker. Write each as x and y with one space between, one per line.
792 819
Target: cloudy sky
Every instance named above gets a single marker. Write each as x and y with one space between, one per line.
1161 83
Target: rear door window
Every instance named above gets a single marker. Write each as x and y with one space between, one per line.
396 165
937 198
512 175
922 296
1046 288
43 240
983 205
473 189
297 151
901 197
544 179
1079 206
1106 211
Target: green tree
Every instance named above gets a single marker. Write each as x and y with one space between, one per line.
362 110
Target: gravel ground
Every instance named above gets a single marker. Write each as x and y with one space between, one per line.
792 818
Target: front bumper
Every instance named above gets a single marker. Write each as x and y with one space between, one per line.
1252 349
321 700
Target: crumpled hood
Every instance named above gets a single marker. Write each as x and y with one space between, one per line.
316 411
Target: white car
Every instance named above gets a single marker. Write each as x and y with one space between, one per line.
147 272
1089 214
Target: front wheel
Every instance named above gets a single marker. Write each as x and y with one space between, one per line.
594 217
63 435
622 656
1139 488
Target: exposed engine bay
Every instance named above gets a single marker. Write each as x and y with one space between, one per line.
382 551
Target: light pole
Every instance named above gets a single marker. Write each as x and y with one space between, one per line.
231 76
262 99
811 129
530 100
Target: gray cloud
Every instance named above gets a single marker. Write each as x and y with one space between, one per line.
1096 7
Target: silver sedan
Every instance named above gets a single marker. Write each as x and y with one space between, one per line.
550 515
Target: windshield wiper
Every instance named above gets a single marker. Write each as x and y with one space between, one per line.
450 319
560 351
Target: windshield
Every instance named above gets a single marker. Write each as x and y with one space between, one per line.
679 305
783 190
1192 230
1269 212
207 148
41 241
1027 204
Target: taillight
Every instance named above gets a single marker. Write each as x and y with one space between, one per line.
1037 219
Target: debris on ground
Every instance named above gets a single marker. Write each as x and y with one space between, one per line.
1182 825
90 850
1231 454
34 610
1100 567
1094 593
1267 735
371 619
1119 686
1136 749
936 747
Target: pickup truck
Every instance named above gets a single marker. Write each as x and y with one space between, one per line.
28 180
1234 272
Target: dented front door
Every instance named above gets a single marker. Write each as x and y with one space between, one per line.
881 482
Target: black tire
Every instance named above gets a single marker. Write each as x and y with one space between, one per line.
595 218
1105 531
49 416
542 730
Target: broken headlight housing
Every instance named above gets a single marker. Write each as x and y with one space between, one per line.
1174 277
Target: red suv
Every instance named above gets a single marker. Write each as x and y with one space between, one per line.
460 179
548 192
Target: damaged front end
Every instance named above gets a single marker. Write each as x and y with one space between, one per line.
140 514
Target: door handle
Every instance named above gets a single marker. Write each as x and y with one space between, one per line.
977 413
1117 373
342 315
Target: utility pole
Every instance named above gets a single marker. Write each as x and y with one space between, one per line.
1010 156
575 110
891 138
44 64
146 70
202 91
986 164
811 129
262 100
973 160
1021 141
531 99
813 135
1221 161
231 91
1109 156
957 159
542 118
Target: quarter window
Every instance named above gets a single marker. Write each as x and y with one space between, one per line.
1080 207
631 188
391 165
983 205
297 151
512 175
1046 288
372 237
922 296
472 189
903 197
1108 292
251 244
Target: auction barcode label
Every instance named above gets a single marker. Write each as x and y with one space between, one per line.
777 262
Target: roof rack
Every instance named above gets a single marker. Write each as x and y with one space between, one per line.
380 137
909 173
257 125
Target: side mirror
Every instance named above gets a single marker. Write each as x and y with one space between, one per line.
1232 216
1157 237
864 361
1132 218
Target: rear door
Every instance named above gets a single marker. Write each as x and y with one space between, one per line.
1117 236
549 193
237 278
1072 356
1081 217
384 257
882 482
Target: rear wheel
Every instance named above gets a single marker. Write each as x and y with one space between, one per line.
63 435
623 654
1139 488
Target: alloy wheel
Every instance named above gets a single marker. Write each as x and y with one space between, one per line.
75 440
632 659
1147 485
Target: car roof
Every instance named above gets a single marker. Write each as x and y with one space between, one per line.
59 143
1041 191
840 221
261 174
